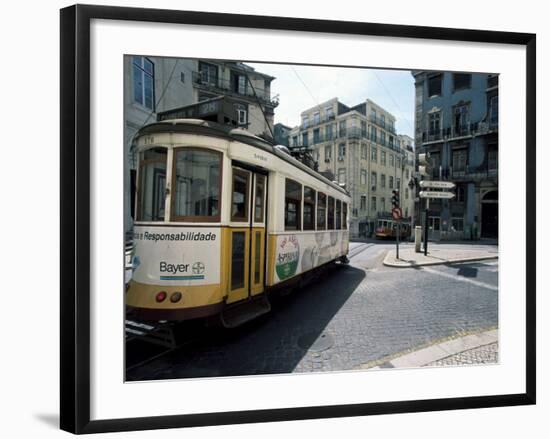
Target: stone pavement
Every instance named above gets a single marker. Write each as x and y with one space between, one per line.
436 256
349 317
480 348
481 355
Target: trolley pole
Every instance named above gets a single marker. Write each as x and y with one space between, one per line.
426 227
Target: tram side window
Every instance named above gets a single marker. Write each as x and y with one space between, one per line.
259 199
293 203
321 211
152 184
330 220
239 203
345 216
196 187
309 208
338 214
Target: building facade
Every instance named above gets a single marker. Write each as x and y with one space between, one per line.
456 123
281 133
408 195
358 146
158 85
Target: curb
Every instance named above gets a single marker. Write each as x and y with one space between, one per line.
406 264
440 351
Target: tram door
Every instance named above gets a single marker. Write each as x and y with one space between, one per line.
247 234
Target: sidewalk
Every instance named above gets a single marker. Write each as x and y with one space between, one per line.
409 258
479 348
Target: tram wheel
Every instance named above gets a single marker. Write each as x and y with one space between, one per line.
344 260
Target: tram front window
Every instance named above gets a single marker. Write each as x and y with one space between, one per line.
152 184
196 188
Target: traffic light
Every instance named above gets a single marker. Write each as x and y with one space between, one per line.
424 164
395 198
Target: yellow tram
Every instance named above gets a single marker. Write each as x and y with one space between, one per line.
387 229
222 218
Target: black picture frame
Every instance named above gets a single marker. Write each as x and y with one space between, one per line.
75 217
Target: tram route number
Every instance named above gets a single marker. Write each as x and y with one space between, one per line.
148 140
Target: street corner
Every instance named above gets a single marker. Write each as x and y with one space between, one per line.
409 258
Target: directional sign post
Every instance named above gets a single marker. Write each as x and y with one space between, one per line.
437 184
431 194
436 194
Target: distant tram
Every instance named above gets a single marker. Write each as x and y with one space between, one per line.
222 219
387 229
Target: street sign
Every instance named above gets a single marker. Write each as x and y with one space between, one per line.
437 184
435 194
397 213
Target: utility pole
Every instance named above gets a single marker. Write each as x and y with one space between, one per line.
396 214
426 227
425 171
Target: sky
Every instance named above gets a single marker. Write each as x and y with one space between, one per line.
302 87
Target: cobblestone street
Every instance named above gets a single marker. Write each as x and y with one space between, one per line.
349 317
481 355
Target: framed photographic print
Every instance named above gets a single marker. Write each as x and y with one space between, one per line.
284 218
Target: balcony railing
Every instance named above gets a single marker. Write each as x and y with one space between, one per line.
465 130
350 133
314 123
382 124
463 173
224 86
473 172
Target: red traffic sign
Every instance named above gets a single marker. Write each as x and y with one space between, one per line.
397 213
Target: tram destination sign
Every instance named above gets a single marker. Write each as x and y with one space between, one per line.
437 184
436 194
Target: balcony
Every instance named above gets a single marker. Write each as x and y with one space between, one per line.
226 87
314 123
468 173
322 138
432 136
382 124
352 133
460 131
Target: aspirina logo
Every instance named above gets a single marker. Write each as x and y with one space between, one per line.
288 255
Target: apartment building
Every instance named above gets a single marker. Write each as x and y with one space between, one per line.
408 195
281 133
358 147
456 123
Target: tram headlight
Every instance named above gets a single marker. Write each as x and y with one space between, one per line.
161 296
175 297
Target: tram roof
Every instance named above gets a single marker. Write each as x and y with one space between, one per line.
207 128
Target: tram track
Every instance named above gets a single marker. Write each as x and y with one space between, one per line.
140 350
164 352
359 249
